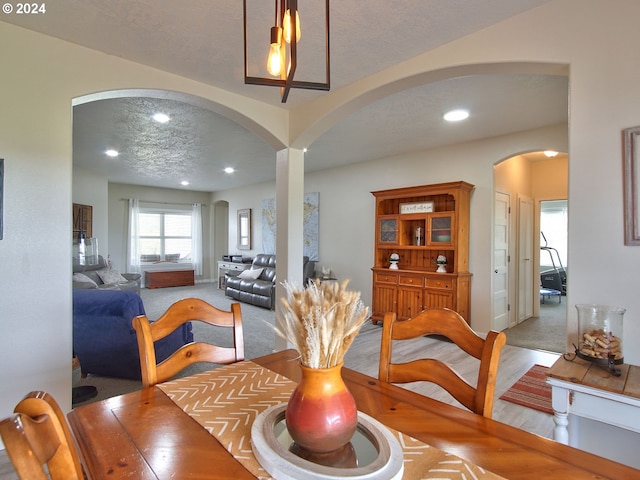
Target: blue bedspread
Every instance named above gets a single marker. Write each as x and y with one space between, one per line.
104 339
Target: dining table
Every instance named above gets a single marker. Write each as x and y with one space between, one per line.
189 428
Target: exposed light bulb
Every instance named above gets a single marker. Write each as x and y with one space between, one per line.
111 153
274 61
229 170
550 153
286 24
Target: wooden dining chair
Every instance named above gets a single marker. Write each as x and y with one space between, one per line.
444 322
37 436
182 311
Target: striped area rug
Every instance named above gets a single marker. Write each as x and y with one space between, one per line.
531 390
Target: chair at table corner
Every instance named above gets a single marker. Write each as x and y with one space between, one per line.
183 311
38 435
444 322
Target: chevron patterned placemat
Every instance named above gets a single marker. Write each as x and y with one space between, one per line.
226 401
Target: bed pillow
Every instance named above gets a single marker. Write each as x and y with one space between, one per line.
111 276
250 274
82 278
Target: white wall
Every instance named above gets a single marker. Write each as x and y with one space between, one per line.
550 178
220 233
35 291
91 189
41 77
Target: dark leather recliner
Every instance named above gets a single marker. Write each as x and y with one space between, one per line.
262 290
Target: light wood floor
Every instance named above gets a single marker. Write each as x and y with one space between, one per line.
364 355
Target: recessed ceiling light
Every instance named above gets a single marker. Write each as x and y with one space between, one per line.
111 153
184 183
161 117
550 153
229 170
456 115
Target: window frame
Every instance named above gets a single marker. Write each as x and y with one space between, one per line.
162 237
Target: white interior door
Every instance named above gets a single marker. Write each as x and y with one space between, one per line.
501 262
525 258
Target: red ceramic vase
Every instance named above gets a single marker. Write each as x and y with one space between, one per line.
321 414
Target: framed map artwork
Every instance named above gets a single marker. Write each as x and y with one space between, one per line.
310 225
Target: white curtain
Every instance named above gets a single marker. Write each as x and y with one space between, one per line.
196 238
133 262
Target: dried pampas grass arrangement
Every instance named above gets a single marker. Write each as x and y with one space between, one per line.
321 321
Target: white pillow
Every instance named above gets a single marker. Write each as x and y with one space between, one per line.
81 277
111 276
251 274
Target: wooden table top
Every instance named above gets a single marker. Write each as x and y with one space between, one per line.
135 435
583 372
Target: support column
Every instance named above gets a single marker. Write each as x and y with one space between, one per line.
290 223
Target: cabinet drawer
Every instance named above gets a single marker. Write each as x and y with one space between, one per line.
445 283
386 278
235 266
412 280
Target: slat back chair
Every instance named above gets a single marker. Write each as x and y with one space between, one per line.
445 322
182 311
37 436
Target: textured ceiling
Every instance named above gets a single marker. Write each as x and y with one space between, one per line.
195 145
202 40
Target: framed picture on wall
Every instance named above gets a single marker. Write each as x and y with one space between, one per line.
631 147
82 220
244 229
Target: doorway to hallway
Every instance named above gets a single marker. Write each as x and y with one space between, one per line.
534 185
546 330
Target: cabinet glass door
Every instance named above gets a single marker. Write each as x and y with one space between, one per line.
388 230
440 229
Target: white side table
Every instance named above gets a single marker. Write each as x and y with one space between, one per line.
230 267
595 410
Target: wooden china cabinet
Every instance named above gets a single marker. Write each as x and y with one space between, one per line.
419 224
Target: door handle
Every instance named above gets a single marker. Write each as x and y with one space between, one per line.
496 270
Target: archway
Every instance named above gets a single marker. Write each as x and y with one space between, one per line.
164 153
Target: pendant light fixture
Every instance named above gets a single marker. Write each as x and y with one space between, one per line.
282 60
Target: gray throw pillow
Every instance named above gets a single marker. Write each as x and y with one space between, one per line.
82 278
111 276
251 274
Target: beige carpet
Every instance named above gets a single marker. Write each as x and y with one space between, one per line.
546 332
